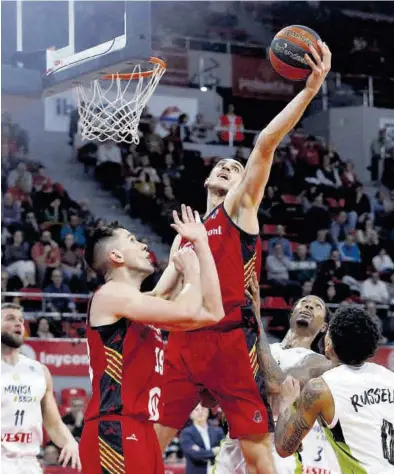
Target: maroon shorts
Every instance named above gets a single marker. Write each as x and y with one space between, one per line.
120 445
226 364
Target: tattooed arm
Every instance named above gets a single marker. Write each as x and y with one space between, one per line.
273 375
310 367
294 424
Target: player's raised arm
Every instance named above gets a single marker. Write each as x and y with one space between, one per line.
117 299
251 191
56 429
294 424
192 229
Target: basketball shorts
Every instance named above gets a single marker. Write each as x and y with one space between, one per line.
120 445
226 364
231 461
20 465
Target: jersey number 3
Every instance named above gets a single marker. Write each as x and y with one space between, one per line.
387 433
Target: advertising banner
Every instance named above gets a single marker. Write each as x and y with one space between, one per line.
255 78
63 357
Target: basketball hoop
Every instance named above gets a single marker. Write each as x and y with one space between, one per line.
112 112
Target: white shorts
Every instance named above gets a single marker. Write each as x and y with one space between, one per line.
20 465
231 461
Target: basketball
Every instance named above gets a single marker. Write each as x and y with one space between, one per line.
287 51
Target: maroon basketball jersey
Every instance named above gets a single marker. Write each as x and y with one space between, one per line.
237 255
126 370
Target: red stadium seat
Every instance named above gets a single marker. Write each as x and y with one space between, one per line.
31 298
290 199
269 229
68 394
293 246
275 302
332 203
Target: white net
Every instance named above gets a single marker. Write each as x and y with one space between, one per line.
111 109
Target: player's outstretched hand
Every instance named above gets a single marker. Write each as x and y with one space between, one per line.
290 390
186 262
320 67
253 293
70 452
189 226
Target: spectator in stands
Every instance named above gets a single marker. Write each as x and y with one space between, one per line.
320 249
200 442
43 331
378 153
199 130
70 258
231 127
377 206
31 229
16 257
109 165
331 295
340 227
51 455
303 268
40 178
370 306
349 250
349 177
54 216
368 241
307 288
358 206
382 262
285 243
58 305
45 254
331 270
10 210
183 130
278 266
267 205
74 419
153 141
374 289
9 284
21 178
328 178
317 217
75 228
85 214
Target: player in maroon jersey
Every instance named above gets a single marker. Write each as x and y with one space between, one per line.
223 359
125 345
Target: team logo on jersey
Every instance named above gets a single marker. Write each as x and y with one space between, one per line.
22 393
213 216
257 418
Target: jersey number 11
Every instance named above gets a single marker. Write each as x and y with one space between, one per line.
19 415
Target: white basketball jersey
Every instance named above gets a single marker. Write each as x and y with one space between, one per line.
362 431
318 458
23 386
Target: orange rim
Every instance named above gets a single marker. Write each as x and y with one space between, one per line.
137 75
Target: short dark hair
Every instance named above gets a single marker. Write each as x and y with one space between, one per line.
354 335
11 306
98 236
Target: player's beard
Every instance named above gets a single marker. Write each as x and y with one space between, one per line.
10 341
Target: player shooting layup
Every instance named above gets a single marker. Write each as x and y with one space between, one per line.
354 401
223 359
27 403
125 344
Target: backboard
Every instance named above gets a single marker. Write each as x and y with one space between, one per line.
82 40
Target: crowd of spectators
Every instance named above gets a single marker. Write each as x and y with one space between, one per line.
322 231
